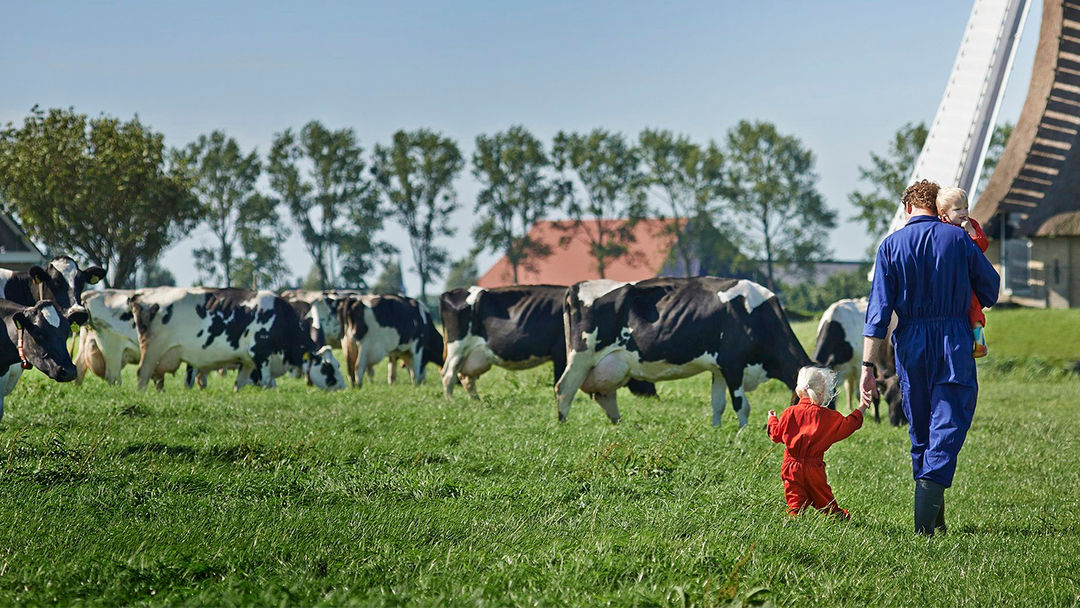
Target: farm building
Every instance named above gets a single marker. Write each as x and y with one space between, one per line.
17 252
1030 207
649 256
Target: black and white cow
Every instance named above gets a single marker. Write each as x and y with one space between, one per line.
61 282
319 310
515 328
110 340
840 346
398 327
36 336
668 328
213 328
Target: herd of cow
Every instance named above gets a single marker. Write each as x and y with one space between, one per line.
599 335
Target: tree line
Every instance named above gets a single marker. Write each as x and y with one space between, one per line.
111 192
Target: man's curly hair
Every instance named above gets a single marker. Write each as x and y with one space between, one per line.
922 194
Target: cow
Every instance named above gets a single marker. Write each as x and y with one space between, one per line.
212 328
36 336
839 346
398 327
61 282
319 308
515 328
110 341
668 328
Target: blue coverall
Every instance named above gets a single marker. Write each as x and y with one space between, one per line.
925 273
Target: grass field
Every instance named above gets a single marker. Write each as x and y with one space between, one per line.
393 495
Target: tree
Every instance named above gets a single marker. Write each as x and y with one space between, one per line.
462 273
415 176
390 281
607 169
688 179
334 207
98 188
156 275
771 184
244 223
888 176
517 193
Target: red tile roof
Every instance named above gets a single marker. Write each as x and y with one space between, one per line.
571 262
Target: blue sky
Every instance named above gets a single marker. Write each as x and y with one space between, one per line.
841 76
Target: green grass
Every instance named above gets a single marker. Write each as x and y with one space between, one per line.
392 495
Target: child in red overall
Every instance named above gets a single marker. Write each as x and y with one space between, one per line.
952 204
807 429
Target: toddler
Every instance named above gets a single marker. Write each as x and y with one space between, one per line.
952 204
807 429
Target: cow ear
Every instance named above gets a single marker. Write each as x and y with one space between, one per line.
38 274
79 317
20 319
94 274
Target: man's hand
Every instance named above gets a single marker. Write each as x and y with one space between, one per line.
868 390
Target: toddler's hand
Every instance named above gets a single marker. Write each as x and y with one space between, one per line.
966 225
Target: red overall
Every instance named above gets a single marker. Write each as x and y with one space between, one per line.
975 311
807 430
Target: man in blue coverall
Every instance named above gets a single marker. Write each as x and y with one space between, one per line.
925 273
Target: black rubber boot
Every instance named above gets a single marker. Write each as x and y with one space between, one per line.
929 499
939 523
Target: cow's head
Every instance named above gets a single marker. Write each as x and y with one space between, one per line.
778 348
62 281
323 370
44 333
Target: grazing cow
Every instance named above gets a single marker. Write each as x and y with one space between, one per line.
36 336
397 327
319 308
512 327
213 328
839 346
668 328
61 282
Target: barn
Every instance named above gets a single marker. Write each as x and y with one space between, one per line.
17 252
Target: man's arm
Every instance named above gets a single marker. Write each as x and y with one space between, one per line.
868 391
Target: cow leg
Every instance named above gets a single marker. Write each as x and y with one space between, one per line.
416 367
359 366
609 402
469 382
189 377
738 396
8 380
148 364
391 369
348 350
719 397
244 376
577 369
159 382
